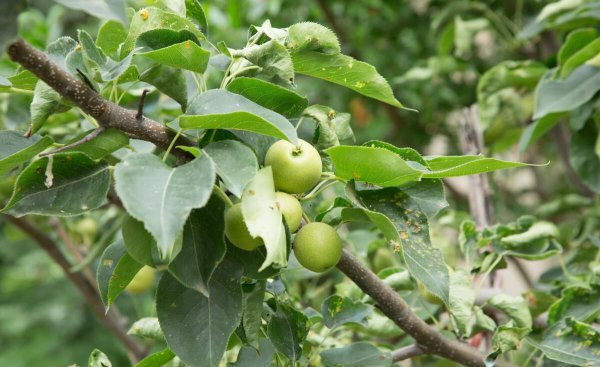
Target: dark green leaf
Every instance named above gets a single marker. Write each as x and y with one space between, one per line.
139 242
269 95
72 184
9 12
538 129
109 141
194 11
357 355
110 36
251 357
168 80
203 247
15 149
287 330
176 49
338 311
162 197
583 157
115 271
198 328
253 307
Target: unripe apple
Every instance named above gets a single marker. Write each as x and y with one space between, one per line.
296 168
318 247
291 209
142 281
236 230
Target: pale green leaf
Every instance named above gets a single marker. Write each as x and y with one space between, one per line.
147 327
359 354
312 36
235 162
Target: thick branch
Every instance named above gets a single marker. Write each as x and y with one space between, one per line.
393 306
407 352
107 114
109 320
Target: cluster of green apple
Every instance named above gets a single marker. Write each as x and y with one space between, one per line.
296 169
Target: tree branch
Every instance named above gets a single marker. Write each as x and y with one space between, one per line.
393 306
407 352
107 114
110 319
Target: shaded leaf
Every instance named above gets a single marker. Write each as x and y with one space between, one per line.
115 271
72 184
235 162
109 141
462 300
287 330
338 311
515 307
15 149
202 248
197 328
269 95
357 355
104 9
253 307
273 59
251 357
139 243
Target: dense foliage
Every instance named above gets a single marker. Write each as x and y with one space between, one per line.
227 190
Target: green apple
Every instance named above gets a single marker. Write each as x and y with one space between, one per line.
142 281
318 247
296 168
236 230
291 209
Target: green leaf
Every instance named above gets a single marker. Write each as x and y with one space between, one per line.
109 141
580 57
506 338
24 80
568 94
16 149
429 196
168 80
197 328
345 71
453 166
461 301
515 307
102 67
162 197
263 217
9 13
103 9
115 271
251 261
251 357
583 157
152 18
236 164
272 96
373 165
253 307
537 129
310 36
405 225
157 359
332 126
147 327
172 48
220 109
359 354
194 11
72 184
538 231
272 58
203 247
110 36
574 42
288 330
45 102
139 243
98 359
337 310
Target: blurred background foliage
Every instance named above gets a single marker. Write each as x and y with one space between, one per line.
439 57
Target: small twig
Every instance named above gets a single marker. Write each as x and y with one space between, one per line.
89 137
110 320
28 132
140 111
407 352
86 80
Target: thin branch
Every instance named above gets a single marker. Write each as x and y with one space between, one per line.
561 139
393 306
140 111
89 137
110 319
407 352
108 114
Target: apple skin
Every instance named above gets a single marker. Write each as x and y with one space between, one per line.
142 281
296 169
318 247
291 209
236 230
